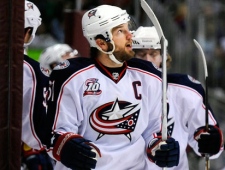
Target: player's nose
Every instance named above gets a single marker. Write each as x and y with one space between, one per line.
129 35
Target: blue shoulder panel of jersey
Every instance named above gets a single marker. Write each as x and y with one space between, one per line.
66 68
186 80
36 67
144 65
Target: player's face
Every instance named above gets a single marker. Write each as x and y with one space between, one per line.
123 42
151 55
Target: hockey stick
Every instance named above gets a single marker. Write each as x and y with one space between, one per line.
164 44
206 96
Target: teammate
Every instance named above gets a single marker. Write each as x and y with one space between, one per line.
34 110
104 111
55 54
186 100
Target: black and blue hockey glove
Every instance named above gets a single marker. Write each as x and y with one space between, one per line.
36 159
39 161
164 153
75 152
209 142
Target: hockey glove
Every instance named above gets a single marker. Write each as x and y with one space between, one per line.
164 153
209 142
75 152
36 159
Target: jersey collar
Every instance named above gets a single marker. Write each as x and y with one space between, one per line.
115 74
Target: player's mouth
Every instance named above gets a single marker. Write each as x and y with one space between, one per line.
129 46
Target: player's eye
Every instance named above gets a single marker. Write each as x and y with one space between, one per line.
142 55
120 31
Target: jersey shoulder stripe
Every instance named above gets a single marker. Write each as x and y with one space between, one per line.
186 80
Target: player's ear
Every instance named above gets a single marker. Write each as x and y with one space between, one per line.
102 44
27 35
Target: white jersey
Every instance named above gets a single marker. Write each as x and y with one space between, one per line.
185 96
119 110
34 110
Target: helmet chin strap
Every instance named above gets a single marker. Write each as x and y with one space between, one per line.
110 53
113 58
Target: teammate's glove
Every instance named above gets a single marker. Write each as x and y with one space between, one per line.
164 153
75 152
36 159
209 142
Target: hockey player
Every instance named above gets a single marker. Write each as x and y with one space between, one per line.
34 110
55 54
186 100
104 111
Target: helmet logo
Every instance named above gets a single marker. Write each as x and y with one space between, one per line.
92 13
30 6
135 42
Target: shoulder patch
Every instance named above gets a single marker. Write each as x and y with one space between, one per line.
62 65
193 80
45 71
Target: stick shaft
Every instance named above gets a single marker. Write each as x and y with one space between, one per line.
164 44
206 104
207 163
164 90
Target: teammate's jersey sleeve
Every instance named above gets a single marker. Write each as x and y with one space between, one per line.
34 105
187 98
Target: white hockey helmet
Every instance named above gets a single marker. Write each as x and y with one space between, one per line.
53 54
31 19
146 38
100 21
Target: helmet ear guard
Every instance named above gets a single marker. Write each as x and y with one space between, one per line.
31 19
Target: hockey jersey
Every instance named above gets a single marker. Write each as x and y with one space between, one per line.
119 110
34 106
186 98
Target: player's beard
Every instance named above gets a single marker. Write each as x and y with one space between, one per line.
122 55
